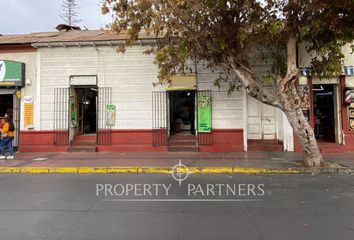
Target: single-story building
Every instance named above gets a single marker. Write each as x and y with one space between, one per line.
74 92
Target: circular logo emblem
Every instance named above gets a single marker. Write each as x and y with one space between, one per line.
180 172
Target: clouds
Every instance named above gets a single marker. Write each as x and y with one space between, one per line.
26 16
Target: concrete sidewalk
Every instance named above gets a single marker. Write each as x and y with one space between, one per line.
249 162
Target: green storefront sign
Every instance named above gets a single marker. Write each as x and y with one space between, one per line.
73 115
110 115
11 73
204 114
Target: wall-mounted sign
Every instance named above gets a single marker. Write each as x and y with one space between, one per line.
204 114
110 115
183 82
28 112
12 74
84 80
73 115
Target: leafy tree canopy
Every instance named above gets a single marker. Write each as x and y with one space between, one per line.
222 31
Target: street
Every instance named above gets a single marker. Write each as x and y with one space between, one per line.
77 207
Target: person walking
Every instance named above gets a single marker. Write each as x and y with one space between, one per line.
7 138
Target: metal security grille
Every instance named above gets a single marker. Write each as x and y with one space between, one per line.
159 118
104 131
61 116
205 139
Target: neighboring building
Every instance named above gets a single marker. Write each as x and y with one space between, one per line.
86 96
331 104
18 73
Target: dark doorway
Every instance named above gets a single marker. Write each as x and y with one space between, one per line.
86 110
182 112
324 114
6 105
10 106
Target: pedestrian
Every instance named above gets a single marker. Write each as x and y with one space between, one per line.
7 138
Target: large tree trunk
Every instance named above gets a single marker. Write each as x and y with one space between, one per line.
291 105
312 153
288 100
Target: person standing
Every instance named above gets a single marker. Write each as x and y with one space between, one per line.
7 138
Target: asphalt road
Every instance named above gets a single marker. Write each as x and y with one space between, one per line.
148 206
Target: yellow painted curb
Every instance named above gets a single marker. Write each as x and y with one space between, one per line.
122 170
62 170
34 170
155 170
216 170
10 170
92 170
87 170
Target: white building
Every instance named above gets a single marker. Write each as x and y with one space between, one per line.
78 93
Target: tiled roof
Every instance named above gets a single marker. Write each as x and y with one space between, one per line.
67 36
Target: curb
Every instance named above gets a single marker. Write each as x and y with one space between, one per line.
152 170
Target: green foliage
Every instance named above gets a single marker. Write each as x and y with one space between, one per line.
221 32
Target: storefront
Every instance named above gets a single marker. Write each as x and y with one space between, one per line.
79 94
12 75
87 97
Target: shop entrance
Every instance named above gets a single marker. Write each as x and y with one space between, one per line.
86 99
9 105
182 112
182 121
324 108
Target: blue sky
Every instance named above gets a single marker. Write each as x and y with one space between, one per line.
26 16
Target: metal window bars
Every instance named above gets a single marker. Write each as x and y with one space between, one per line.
61 116
104 131
159 118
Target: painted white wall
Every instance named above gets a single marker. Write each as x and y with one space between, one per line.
288 135
305 57
30 60
131 76
227 110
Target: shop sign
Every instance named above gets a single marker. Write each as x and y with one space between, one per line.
28 112
204 114
110 115
73 115
12 73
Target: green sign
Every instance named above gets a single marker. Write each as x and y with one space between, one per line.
11 73
110 115
204 114
73 112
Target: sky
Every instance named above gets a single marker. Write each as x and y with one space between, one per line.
27 16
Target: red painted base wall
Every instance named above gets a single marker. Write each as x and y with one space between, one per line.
39 141
224 140
348 145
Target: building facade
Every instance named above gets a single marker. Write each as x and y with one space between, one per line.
79 94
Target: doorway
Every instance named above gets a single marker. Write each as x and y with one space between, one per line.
324 110
10 106
261 120
86 99
182 112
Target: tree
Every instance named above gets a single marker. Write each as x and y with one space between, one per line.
222 32
69 12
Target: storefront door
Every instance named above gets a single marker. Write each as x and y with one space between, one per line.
325 112
261 120
182 112
10 106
